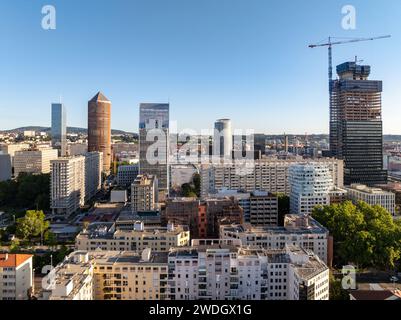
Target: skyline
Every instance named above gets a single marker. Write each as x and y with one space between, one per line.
207 60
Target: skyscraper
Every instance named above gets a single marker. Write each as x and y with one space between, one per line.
223 138
59 128
154 120
99 128
356 130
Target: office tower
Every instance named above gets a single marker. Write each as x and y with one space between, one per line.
263 208
268 174
154 122
99 128
372 196
310 185
67 185
223 138
5 167
59 128
356 131
16 276
93 174
34 161
144 194
126 174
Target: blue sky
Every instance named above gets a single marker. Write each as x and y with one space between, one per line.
247 60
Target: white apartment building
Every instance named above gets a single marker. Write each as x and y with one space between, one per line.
158 239
298 230
267 174
72 279
67 185
127 174
144 193
34 161
310 186
372 196
224 272
93 173
16 278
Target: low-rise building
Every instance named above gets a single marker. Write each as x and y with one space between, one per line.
5 167
372 196
16 278
302 231
156 238
34 161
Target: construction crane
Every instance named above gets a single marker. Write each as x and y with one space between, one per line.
330 44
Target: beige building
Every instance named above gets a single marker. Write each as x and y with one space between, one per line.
16 280
372 196
34 161
158 239
67 185
144 193
12 148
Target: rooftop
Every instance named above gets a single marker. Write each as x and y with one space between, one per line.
8 260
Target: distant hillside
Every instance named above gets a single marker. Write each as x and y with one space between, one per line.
69 130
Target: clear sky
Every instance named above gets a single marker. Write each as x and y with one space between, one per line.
247 60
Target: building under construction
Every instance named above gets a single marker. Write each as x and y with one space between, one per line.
356 130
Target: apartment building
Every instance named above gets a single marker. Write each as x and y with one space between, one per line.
310 186
225 272
158 239
16 278
130 276
267 174
67 185
72 279
298 230
144 193
372 196
34 161
12 148
93 174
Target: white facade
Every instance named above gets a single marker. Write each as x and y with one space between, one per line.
93 173
223 272
267 174
310 185
67 186
301 231
16 278
34 161
372 196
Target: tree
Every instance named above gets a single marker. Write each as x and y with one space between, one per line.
364 235
283 207
196 180
32 225
336 290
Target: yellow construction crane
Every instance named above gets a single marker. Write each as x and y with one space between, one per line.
331 43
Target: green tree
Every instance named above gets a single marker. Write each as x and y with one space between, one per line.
336 290
196 180
32 225
364 235
283 207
